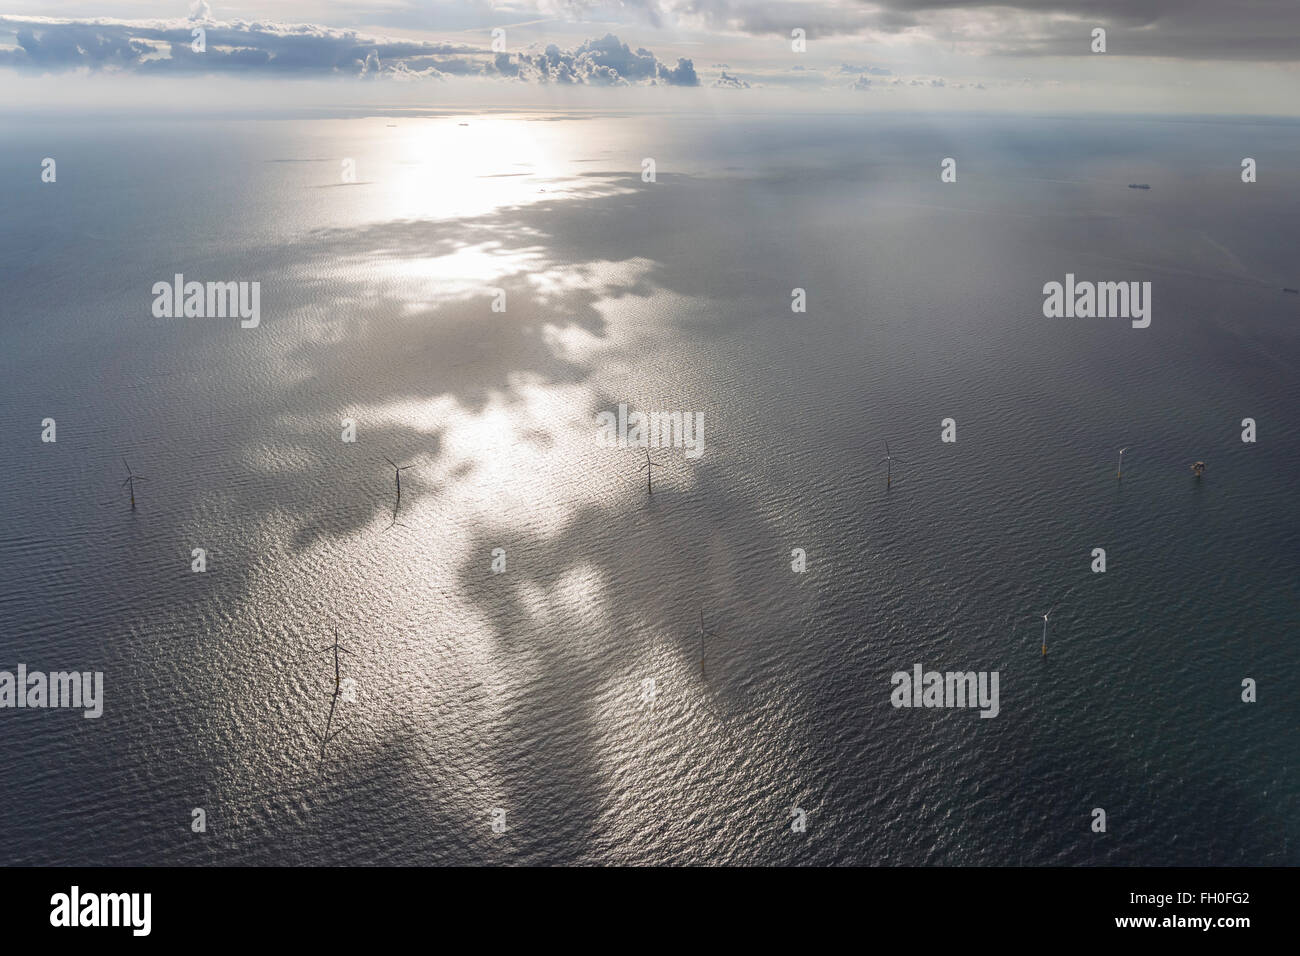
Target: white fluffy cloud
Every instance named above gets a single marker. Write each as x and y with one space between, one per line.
603 62
52 45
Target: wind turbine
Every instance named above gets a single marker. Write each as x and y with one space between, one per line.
130 481
1119 472
649 466
338 691
1045 632
888 462
703 635
397 471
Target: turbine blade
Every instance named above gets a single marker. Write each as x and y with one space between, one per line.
389 460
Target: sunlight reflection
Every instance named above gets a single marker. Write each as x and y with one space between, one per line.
459 166
462 271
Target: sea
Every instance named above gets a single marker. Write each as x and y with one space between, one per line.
544 664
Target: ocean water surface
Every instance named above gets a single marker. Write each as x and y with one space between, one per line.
525 691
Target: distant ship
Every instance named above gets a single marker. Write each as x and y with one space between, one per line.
1292 291
1138 186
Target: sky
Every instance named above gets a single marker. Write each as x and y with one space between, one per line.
1164 56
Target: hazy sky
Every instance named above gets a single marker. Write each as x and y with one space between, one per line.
1161 55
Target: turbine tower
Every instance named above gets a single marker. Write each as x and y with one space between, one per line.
888 462
649 466
338 691
397 472
703 635
130 481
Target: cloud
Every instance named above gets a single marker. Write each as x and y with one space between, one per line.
48 44
1263 30
603 62
610 54
818 17
727 81
159 47
865 70
681 75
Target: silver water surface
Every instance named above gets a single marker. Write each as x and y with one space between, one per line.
522 691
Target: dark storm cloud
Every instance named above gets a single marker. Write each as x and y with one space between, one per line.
1192 29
